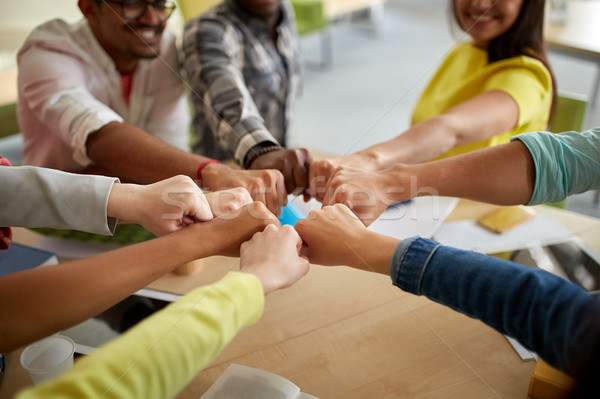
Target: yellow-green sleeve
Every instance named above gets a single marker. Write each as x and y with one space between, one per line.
159 356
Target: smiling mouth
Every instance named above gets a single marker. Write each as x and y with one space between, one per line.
481 18
147 34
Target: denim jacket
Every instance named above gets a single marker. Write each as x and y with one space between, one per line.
550 315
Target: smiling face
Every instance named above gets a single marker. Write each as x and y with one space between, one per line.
126 41
485 20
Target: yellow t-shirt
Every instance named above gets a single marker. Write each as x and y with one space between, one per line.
465 73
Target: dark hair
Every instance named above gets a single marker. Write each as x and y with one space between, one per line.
524 37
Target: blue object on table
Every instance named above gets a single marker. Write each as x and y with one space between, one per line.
290 214
21 257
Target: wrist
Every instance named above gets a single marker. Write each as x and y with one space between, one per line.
377 254
258 151
204 175
121 202
367 159
400 182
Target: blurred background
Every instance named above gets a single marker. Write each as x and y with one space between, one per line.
366 64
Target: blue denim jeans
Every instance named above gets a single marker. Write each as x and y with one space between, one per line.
550 315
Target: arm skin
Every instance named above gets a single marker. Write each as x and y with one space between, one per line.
122 150
482 175
484 116
93 284
160 355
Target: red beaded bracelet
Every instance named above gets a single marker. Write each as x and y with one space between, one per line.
201 167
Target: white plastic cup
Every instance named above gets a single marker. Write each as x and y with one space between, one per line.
48 358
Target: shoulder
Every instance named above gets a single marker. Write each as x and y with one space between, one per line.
52 27
217 19
58 40
211 27
523 65
55 32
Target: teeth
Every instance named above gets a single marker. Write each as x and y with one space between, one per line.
481 18
147 33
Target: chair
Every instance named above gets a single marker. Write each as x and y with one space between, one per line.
310 18
11 140
570 113
191 8
569 116
8 120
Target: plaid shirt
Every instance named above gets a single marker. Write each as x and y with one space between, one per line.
243 85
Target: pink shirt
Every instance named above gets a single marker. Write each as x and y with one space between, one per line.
69 88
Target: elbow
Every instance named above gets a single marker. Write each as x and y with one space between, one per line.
449 134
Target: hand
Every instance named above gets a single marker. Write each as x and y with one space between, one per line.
329 235
335 236
274 257
319 174
321 171
293 164
162 207
265 186
366 193
229 231
226 201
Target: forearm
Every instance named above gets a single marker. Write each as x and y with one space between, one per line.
503 175
371 252
159 356
421 142
133 155
489 114
550 315
34 301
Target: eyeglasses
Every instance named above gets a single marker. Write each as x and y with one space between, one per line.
133 9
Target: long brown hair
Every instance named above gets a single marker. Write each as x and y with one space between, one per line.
524 37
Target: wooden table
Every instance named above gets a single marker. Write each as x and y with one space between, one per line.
344 333
578 37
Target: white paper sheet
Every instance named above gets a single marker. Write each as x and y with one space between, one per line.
524 353
421 217
467 234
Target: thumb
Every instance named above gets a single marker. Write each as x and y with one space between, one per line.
200 209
